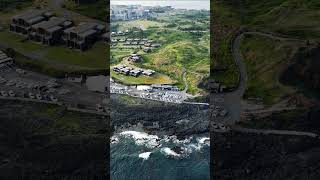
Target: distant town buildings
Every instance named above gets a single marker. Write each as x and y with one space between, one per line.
44 27
124 13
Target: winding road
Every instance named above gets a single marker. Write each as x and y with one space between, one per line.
233 100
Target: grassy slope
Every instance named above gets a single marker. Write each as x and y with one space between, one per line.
95 10
296 18
265 59
139 23
179 49
154 79
94 58
184 54
225 23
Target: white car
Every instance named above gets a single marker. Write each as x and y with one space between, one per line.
20 71
3 93
31 95
11 93
54 99
39 97
99 108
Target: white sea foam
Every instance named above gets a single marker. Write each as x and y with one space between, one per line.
175 140
188 145
167 151
142 138
204 140
114 140
145 155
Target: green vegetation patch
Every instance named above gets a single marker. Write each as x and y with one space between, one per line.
182 56
141 23
95 57
265 59
95 9
55 56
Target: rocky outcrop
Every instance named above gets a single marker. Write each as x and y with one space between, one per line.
305 70
245 156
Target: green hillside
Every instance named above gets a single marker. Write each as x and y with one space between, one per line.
293 18
174 58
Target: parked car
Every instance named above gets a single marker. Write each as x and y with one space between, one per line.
54 99
99 108
3 93
39 97
11 93
31 95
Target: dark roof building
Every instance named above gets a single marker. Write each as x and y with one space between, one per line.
83 36
49 32
22 23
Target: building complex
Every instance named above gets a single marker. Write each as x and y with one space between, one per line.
44 27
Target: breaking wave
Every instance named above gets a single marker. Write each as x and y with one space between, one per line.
170 146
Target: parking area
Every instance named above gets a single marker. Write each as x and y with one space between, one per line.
150 93
15 82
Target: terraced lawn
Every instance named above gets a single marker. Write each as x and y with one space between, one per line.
156 78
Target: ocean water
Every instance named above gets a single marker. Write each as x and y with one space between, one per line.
141 156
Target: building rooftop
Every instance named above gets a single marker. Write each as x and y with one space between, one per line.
83 27
49 24
55 28
35 19
29 14
87 33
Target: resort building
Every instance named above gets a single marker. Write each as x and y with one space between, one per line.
22 23
83 36
123 69
49 32
134 58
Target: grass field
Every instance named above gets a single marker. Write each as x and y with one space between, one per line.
95 10
156 78
295 18
265 59
143 24
94 58
174 58
182 50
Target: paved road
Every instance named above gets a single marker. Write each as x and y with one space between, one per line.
275 132
232 100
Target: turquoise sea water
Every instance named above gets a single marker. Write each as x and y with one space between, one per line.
140 156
